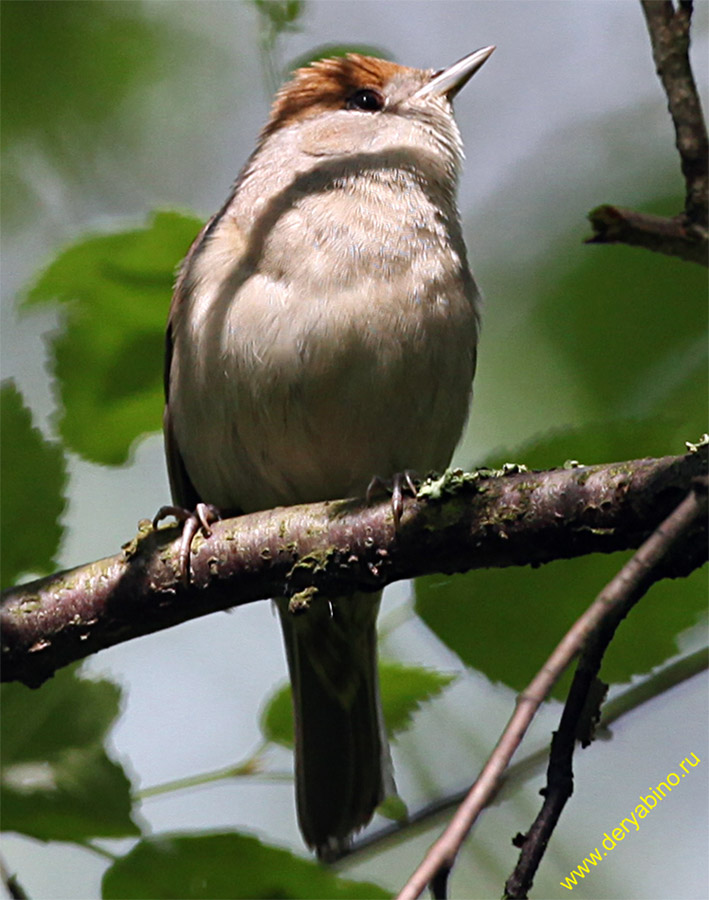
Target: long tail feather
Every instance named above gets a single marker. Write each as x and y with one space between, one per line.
342 762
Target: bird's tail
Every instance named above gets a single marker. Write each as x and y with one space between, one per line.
342 762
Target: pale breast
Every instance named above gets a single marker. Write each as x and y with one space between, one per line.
338 347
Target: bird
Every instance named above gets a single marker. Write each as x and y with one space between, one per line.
322 336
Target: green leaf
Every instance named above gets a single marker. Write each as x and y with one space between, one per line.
633 325
58 783
620 343
33 477
108 360
598 334
281 15
67 713
601 442
403 690
506 622
277 718
223 865
79 82
394 808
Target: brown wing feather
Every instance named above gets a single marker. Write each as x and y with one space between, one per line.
181 487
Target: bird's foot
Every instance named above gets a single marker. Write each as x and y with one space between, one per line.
400 482
203 515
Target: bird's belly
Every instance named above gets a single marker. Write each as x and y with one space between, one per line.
308 401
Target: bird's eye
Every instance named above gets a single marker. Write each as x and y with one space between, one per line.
366 99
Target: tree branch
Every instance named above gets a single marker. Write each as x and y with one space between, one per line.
629 585
533 764
456 523
669 36
684 235
582 708
671 236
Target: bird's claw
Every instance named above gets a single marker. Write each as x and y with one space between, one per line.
400 482
203 515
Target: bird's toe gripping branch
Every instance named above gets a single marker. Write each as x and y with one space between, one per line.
203 515
400 482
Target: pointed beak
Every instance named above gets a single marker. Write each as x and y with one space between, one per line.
449 81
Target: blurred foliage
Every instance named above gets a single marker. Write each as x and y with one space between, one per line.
610 440
223 865
58 783
108 359
276 18
639 373
33 478
403 690
634 325
67 70
67 67
506 622
279 15
606 345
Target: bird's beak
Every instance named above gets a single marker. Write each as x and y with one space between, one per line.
448 82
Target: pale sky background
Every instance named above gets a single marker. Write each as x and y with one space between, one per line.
536 163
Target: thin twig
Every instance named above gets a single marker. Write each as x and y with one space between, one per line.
633 579
531 766
671 236
621 594
683 235
12 885
669 36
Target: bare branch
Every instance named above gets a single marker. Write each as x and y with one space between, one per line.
533 764
630 583
619 597
673 237
669 35
684 235
457 523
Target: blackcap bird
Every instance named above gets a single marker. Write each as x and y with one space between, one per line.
323 331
